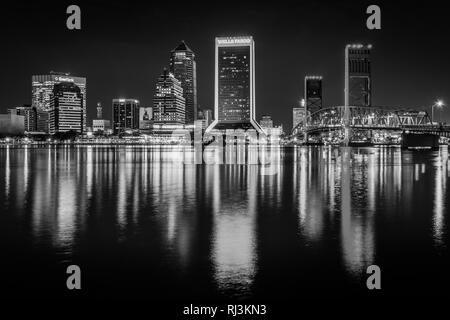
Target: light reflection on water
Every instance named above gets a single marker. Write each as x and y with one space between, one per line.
211 215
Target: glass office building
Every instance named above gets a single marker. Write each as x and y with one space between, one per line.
234 98
42 89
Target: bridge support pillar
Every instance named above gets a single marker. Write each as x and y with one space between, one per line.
347 136
420 141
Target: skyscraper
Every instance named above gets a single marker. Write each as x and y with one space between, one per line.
358 82
313 93
42 89
168 101
183 67
125 115
234 90
66 109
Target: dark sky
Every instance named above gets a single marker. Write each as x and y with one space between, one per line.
124 45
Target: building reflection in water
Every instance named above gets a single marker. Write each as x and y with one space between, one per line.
311 191
152 194
7 173
440 182
357 230
234 217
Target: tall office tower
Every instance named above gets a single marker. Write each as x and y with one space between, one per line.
66 108
30 116
183 67
125 115
99 110
42 89
298 116
313 93
168 101
266 122
234 85
358 82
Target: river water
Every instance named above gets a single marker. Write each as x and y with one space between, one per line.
141 223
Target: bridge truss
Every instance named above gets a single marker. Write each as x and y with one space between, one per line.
369 119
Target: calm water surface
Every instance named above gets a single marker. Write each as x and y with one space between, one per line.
140 223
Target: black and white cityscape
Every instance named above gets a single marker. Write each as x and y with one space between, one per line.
225 160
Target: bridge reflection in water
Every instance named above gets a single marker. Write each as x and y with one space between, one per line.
315 222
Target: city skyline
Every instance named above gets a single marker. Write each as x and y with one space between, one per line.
225 160
395 83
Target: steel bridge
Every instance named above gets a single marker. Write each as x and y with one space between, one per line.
369 119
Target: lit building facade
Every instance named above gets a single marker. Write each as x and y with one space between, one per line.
42 89
313 94
125 115
30 116
234 85
101 125
168 101
66 109
358 82
298 116
183 67
266 122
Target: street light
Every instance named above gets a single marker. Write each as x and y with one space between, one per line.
439 104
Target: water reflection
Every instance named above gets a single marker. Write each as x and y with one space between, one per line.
440 197
309 175
217 217
357 229
233 251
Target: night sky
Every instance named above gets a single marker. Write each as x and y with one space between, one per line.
124 45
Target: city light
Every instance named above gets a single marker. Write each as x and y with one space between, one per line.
439 103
